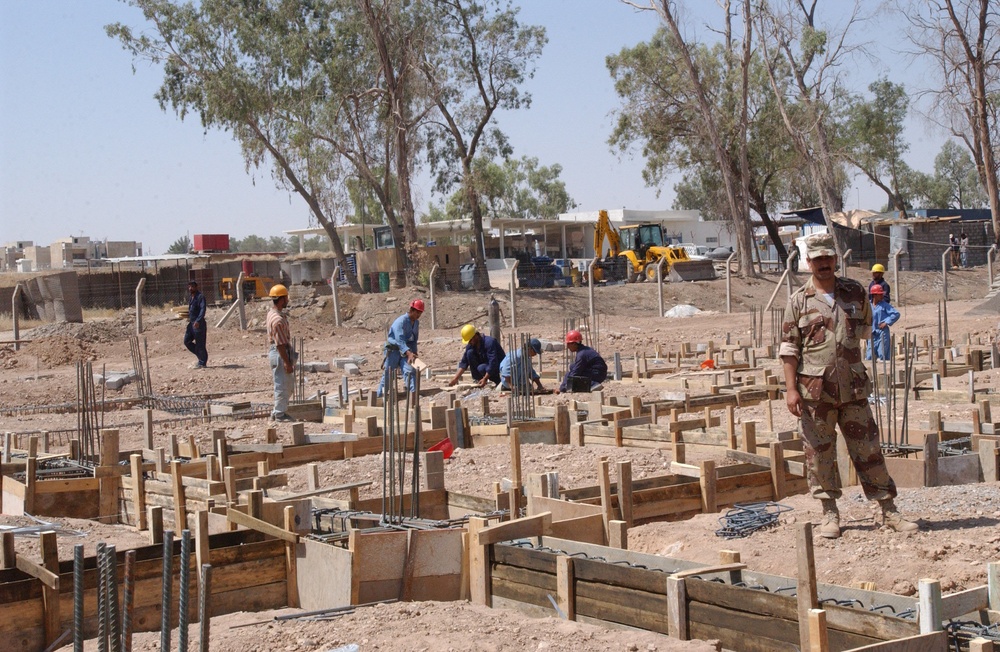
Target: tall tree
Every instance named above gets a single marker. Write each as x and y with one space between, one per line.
962 39
248 70
482 56
693 100
874 139
795 43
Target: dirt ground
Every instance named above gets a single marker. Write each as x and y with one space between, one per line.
959 533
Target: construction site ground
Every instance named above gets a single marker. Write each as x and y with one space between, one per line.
959 524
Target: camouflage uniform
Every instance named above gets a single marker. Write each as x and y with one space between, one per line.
834 385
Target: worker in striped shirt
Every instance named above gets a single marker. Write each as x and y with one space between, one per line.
280 355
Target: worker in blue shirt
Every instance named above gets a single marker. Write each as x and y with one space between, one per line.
516 369
197 330
588 370
883 316
401 346
483 355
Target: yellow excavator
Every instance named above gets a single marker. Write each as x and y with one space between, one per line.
635 250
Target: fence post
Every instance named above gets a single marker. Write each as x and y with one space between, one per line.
989 266
590 290
336 299
729 284
241 306
784 277
513 287
138 305
434 271
15 313
843 261
944 273
895 278
659 282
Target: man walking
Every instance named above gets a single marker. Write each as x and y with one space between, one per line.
826 385
963 250
280 354
401 346
196 333
483 355
588 370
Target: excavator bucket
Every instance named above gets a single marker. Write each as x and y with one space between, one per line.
692 270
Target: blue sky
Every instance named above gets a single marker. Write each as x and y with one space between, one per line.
86 150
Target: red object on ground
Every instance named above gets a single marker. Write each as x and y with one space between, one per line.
444 446
708 364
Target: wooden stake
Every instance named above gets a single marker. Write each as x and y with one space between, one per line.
50 596
818 639
480 582
750 436
292 583
180 500
565 586
707 482
8 558
806 584
138 491
605 484
155 519
777 456
625 491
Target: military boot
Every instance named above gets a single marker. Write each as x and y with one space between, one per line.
830 529
894 520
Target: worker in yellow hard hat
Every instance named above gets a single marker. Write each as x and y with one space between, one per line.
281 356
878 271
482 355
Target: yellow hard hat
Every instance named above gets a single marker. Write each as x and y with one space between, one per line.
878 267
278 290
468 332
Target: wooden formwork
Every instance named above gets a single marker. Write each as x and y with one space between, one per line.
743 609
691 490
249 573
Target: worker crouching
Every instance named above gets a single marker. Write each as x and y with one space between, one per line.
588 369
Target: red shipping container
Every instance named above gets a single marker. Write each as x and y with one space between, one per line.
211 242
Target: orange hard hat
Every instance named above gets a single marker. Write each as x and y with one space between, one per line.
417 304
574 336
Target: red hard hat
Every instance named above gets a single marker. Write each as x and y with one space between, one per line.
574 336
417 304
877 289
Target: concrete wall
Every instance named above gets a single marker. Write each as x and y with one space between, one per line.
927 241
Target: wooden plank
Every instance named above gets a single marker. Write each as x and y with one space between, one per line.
234 516
565 586
707 481
605 484
964 602
532 526
480 584
739 630
933 642
39 572
707 570
67 486
623 606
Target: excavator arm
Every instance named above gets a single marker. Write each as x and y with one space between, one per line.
604 229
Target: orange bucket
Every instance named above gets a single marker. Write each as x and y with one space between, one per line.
444 446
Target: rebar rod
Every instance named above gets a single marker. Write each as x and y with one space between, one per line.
417 447
128 600
185 590
165 596
78 598
114 624
102 600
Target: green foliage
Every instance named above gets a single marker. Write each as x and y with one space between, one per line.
256 243
873 139
181 245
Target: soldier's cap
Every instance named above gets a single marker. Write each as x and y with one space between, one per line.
820 244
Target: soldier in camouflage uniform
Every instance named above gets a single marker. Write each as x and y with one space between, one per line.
826 384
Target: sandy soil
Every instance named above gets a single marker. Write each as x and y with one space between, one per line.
958 537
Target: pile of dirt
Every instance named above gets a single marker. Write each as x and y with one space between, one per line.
58 350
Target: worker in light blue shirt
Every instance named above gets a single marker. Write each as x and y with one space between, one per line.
883 316
516 369
401 346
